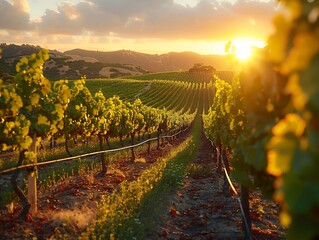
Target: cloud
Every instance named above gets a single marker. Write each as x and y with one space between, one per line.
15 15
65 21
21 5
165 19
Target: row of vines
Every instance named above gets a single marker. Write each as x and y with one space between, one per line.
184 76
268 119
176 95
33 109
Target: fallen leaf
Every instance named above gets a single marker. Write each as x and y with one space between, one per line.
165 233
174 213
29 218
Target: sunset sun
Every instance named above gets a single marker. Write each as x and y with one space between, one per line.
243 52
243 48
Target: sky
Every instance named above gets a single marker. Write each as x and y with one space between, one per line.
150 26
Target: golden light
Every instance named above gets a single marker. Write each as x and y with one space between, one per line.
243 48
243 52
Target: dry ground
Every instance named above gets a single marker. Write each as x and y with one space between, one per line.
198 210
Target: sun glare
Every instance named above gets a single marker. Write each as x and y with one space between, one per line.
243 48
243 52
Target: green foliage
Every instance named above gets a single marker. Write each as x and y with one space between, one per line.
218 120
183 76
35 92
293 148
33 109
276 100
22 100
171 91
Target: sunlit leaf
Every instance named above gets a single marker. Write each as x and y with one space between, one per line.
285 219
43 120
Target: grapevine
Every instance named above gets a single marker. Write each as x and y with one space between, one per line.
34 109
293 149
272 122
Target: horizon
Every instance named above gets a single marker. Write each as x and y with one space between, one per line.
153 27
258 44
114 50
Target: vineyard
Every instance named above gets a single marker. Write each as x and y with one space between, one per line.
172 155
101 119
176 93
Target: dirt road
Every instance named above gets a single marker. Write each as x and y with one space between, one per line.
200 210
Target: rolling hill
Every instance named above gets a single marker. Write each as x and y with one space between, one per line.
172 61
75 63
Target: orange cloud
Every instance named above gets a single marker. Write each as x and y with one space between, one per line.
209 19
108 21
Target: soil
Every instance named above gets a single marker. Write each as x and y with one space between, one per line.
199 209
68 208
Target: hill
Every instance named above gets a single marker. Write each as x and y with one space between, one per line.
62 66
172 61
95 64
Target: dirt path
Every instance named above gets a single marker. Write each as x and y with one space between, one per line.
200 210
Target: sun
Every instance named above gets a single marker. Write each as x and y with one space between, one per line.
243 52
243 48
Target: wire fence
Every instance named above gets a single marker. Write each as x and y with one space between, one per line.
234 191
34 165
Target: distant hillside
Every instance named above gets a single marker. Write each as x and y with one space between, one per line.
62 66
10 51
94 64
172 61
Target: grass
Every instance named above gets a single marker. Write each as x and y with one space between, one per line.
51 175
131 212
196 169
157 201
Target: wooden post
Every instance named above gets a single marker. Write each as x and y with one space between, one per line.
32 190
32 182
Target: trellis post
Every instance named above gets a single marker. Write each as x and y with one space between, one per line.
32 183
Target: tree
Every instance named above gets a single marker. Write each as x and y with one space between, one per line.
200 68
